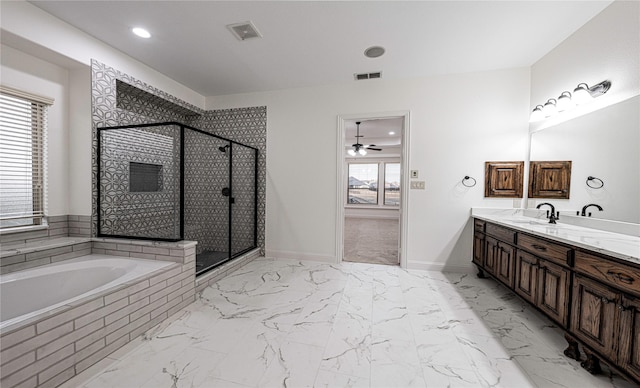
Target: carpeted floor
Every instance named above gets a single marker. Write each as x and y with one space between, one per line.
373 241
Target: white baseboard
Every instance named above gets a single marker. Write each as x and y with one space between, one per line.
439 267
300 256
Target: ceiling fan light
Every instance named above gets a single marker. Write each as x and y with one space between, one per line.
362 151
351 152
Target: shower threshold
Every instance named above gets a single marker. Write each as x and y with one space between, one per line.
209 259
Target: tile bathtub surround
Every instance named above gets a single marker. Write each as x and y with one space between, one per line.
289 323
19 257
54 348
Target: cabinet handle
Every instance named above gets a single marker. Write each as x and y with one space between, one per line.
539 248
605 300
621 277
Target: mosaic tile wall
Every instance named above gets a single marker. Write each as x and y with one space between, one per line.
125 212
247 126
118 99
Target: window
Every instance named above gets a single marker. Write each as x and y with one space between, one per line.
392 184
22 128
363 184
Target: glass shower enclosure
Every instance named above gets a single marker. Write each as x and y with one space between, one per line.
171 182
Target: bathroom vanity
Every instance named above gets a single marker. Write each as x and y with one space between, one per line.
586 280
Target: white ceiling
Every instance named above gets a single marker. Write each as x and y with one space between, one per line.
309 43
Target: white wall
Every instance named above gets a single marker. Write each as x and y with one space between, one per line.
457 123
30 74
607 47
80 141
34 25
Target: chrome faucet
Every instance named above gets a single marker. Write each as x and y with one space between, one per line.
584 209
552 218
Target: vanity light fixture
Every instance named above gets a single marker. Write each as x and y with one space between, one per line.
537 114
567 101
141 32
549 109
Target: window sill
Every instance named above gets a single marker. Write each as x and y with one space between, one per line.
378 207
21 229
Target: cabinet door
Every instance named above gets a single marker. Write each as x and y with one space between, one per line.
526 276
553 291
506 264
491 255
594 315
478 249
629 338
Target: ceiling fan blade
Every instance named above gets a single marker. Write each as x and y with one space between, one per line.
374 149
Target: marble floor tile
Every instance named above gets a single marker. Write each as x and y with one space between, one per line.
290 323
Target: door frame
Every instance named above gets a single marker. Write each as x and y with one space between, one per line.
341 176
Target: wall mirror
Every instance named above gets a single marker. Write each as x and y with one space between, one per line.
604 144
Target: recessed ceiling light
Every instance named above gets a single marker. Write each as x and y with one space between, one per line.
392 133
374 52
141 32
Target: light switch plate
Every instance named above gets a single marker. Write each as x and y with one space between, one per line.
417 185
414 174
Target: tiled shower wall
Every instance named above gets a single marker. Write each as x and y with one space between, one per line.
140 213
118 99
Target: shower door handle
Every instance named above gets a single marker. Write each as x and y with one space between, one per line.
227 192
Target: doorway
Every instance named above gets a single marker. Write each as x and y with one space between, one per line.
372 194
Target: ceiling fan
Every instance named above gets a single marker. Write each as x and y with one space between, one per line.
361 148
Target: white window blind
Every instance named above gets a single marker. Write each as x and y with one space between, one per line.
22 129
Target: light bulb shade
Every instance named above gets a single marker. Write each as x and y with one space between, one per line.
550 108
537 114
362 151
565 102
351 152
581 94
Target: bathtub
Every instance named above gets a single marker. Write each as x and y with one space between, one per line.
37 292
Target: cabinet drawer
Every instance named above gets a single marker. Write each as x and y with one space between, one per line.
553 252
623 277
478 225
501 233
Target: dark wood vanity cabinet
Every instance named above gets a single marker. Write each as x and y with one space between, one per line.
543 284
594 298
594 315
629 336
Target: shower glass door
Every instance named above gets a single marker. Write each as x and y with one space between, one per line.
206 197
243 207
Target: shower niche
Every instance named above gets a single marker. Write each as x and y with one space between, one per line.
172 182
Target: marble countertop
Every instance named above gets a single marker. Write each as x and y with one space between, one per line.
617 245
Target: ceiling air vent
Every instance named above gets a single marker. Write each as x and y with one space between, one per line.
244 30
361 76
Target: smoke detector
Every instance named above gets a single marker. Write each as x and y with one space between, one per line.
374 52
244 30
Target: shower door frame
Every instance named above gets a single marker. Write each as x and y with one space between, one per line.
182 128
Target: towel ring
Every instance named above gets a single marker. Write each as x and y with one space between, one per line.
596 185
466 178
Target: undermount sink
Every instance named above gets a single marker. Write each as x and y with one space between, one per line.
532 221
